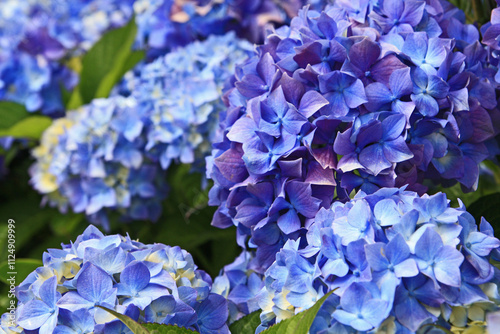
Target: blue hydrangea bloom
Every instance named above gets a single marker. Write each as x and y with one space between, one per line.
34 82
55 29
416 266
165 24
180 96
35 35
111 155
362 95
149 283
93 161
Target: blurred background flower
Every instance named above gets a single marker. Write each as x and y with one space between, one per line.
112 153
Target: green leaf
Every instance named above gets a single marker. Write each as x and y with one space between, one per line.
494 169
124 62
299 323
17 122
65 95
476 11
10 155
64 225
105 63
22 268
246 325
148 328
168 329
135 327
133 59
75 100
30 127
11 113
31 220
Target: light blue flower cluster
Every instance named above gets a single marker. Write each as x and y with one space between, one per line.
180 96
149 283
363 95
391 258
93 159
112 153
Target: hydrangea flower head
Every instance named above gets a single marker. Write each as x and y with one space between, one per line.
111 154
94 159
180 95
390 257
164 25
149 283
35 35
57 29
394 93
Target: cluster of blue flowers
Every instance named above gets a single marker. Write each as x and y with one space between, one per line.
93 159
34 81
57 29
35 38
393 259
180 96
111 155
149 283
359 96
165 25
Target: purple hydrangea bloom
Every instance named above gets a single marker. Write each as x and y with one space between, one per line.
164 25
188 20
151 283
419 254
392 94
